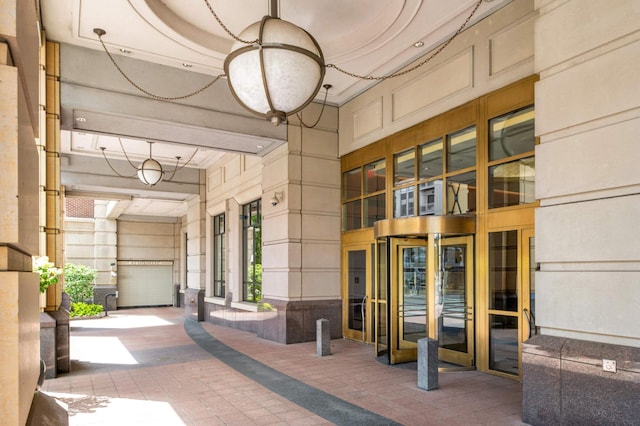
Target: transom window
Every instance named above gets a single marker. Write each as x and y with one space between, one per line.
363 195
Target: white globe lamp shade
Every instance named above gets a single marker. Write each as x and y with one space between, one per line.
150 172
279 75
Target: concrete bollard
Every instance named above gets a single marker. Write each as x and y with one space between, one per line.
323 337
427 364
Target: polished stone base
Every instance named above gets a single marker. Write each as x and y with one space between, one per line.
46 410
564 383
281 321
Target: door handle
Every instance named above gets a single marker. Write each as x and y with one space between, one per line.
531 322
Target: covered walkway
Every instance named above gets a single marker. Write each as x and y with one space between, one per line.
149 367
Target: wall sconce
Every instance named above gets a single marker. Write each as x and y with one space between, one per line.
113 270
277 196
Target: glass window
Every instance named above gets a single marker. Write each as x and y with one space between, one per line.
503 344
352 184
218 256
430 198
252 259
351 215
404 167
503 271
374 209
357 290
512 183
512 134
461 149
403 202
375 176
461 193
430 156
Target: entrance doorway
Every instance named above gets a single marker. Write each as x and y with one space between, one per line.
512 269
425 288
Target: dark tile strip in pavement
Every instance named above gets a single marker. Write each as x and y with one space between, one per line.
321 403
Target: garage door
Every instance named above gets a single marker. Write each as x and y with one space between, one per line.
145 283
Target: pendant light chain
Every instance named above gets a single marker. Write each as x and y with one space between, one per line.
224 27
415 67
101 32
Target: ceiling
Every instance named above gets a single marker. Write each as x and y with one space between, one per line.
174 47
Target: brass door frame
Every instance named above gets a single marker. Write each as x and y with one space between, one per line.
416 231
360 335
403 350
447 355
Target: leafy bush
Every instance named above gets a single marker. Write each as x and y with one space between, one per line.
78 281
81 309
47 271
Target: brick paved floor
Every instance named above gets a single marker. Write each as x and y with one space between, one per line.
139 367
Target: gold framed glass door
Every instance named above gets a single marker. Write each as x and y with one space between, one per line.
409 289
358 279
511 297
456 321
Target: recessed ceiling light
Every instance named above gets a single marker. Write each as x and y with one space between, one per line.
81 119
123 50
184 64
418 44
259 146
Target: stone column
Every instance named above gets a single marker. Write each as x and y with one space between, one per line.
19 131
196 258
105 251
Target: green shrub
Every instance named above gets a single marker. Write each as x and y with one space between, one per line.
78 282
81 309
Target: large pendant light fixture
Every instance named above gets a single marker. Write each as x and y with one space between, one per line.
278 74
276 68
150 171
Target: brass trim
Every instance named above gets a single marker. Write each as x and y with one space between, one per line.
423 225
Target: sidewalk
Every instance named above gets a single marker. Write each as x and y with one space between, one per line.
141 367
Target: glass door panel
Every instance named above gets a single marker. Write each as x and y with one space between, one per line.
456 323
511 297
380 291
356 296
408 298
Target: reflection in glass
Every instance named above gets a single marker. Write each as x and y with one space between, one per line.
533 266
374 209
512 134
430 197
351 215
403 202
513 183
503 271
461 149
430 156
381 294
453 324
503 344
404 167
356 287
219 256
375 175
414 281
352 184
461 193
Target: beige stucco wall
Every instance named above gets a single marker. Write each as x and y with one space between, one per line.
493 53
19 128
588 180
301 234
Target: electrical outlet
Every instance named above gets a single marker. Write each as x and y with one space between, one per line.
609 365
